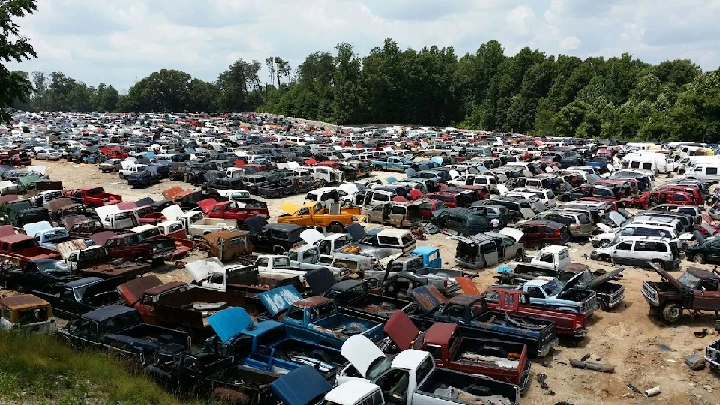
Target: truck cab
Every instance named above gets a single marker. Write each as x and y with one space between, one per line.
549 291
26 313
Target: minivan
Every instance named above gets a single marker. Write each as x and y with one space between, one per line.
642 251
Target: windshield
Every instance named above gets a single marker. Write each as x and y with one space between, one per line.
32 315
378 367
552 288
689 280
52 267
56 234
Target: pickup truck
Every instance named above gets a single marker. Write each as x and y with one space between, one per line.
82 227
392 163
34 275
516 302
479 322
696 290
553 257
308 257
496 359
120 329
353 297
231 210
213 274
147 215
47 235
423 264
176 304
130 168
145 178
266 346
382 243
315 214
94 261
185 372
114 218
317 319
551 293
74 298
609 294
196 224
152 233
22 213
94 196
20 249
134 246
279 267
712 355
410 377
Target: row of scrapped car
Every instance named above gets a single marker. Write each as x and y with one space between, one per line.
523 301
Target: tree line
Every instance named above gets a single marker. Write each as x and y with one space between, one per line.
530 92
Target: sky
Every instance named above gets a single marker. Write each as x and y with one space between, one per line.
119 42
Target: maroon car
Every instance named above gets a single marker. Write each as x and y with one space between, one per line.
543 232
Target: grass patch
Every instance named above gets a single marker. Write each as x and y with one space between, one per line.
39 369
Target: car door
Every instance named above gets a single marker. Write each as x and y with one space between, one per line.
707 295
622 253
531 235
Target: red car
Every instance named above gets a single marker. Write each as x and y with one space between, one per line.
694 191
427 206
543 232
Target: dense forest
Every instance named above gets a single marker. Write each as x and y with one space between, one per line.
530 92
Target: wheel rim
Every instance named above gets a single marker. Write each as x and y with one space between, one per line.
700 259
674 312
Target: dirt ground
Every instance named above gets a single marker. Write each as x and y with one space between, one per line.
626 337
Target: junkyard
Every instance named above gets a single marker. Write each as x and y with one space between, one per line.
527 270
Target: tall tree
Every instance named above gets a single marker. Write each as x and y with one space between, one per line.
166 90
236 85
13 47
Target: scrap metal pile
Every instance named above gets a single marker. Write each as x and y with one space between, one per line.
284 309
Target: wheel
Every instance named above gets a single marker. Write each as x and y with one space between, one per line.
520 254
376 167
672 312
605 258
122 176
658 263
336 228
699 258
601 305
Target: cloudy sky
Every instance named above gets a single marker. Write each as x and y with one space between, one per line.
121 41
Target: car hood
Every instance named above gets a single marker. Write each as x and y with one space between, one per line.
514 233
401 330
230 322
279 299
361 352
200 269
300 386
600 280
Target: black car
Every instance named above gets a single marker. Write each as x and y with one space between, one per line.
35 275
276 238
74 298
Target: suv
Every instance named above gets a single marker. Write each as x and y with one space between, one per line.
697 290
464 221
578 223
543 232
277 238
641 251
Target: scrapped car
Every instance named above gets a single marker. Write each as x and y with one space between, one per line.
26 313
695 290
540 233
642 251
463 221
399 214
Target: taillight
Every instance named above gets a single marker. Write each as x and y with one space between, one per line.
557 233
578 323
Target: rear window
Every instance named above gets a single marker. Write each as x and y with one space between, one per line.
398 210
647 166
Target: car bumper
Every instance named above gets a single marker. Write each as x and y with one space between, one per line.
545 349
614 301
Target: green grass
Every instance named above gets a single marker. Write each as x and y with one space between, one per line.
39 369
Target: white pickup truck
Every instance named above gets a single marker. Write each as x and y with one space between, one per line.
280 267
411 378
130 168
553 257
195 222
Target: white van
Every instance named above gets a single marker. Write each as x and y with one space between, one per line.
705 171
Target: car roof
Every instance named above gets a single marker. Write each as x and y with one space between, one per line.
108 312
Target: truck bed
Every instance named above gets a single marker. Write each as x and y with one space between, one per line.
376 306
488 353
191 308
343 326
168 339
248 382
291 349
126 270
456 387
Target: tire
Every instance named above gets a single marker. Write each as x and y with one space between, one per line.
605 258
336 228
122 176
520 254
659 263
672 312
699 259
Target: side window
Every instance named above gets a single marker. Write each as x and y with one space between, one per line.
624 246
535 292
455 311
492 296
509 300
435 351
296 314
711 170
547 258
661 247
644 246
263 262
387 240
216 209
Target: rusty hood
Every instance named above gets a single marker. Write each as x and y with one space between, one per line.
101 237
670 279
401 330
66 248
58 203
428 298
132 291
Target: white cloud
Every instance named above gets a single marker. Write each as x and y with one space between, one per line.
521 20
569 43
120 41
